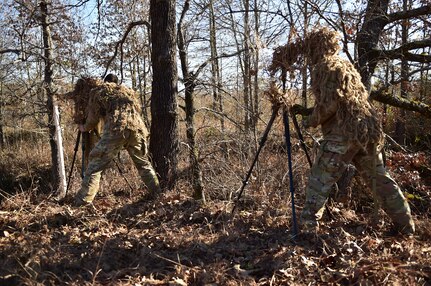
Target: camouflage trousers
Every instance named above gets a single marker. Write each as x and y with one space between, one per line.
332 159
109 145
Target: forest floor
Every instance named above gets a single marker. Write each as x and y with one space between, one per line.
125 239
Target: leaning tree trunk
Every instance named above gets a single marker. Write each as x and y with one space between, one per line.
164 143
55 139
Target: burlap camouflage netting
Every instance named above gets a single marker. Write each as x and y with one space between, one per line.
277 97
80 95
95 98
334 79
284 57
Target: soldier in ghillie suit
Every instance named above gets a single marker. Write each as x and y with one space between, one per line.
351 128
118 107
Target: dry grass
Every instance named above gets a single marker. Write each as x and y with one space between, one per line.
174 240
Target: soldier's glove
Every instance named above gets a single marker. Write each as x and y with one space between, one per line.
305 122
305 112
296 109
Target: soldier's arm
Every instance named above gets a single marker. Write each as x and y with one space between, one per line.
93 115
91 122
327 106
321 113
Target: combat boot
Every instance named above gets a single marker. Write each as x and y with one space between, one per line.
406 229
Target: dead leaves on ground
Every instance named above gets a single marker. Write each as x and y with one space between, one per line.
177 241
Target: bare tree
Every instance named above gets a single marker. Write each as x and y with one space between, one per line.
55 137
216 80
164 142
190 84
375 20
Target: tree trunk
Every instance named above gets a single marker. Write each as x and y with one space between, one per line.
400 124
2 135
190 84
142 87
215 72
164 143
256 67
304 68
215 75
55 139
368 38
246 73
133 75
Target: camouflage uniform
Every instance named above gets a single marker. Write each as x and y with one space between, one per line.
336 151
123 128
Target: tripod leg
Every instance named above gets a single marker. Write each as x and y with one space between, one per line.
301 138
261 144
289 154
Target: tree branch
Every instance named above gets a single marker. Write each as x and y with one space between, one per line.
15 51
384 97
424 10
381 96
224 55
120 43
403 52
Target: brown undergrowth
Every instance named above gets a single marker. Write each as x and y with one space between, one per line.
126 239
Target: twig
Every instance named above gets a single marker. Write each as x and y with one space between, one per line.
97 270
395 143
170 260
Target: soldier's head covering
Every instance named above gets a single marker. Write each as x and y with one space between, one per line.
318 44
81 94
321 43
111 78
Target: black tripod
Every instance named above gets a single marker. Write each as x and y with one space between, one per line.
262 142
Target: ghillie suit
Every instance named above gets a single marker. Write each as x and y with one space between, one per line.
123 128
351 128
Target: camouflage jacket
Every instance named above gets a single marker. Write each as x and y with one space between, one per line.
117 105
341 101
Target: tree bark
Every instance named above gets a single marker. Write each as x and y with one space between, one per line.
190 84
55 139
368 38
2 135
164 144
246 73
400 123
216 76
256 67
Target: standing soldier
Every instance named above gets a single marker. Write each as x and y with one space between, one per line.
352 132
123 128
